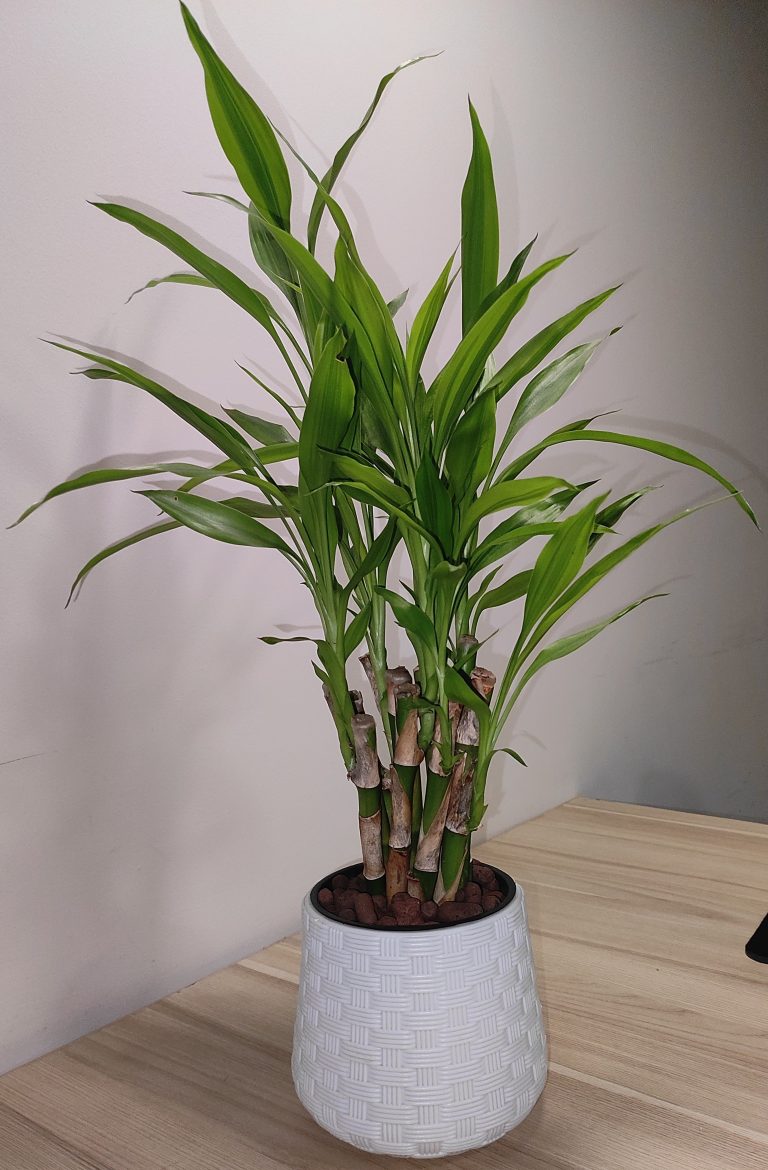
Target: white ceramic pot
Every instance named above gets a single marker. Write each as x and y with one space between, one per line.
419 1042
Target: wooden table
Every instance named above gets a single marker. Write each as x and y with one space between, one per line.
658 1026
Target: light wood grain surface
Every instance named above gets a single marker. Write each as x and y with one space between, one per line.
658 1026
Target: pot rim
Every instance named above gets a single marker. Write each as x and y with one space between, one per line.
357 868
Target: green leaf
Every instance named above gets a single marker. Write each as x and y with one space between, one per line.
505 542
115 474
523 525
220 433
354 472
597 571
548 387
456 382
257 508
517 265
317 284
245 134
273 261
289 410
173 278
510 495
458 689
118 546
528 357
655 446
328 414
426 321
469 454
435 505
509 752
355 631
220 276
271 641
342 154
218 195
396 304
260 429
511 590
217 520
411 618
571 642
558 563
479 228
608 517
379 551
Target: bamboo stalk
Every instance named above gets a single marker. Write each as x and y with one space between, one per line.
400 781
396 676
456 839
356 699
436 800
370 674
365 775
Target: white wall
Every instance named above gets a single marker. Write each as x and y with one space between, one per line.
150 740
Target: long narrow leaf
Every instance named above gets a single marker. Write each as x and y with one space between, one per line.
219 432
655 446
118 546
328 415
174 278
479 228
114 475
245 134
254 302
558 563
342 154
425 322
570 643
456 382
217 520
528 357
260 429
524 491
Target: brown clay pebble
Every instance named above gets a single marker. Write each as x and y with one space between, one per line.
458 911
472 892
344 900
340 881
365 909
325 897
461 896
429 911
380 902
387 920
483 875
347 916
407 909
359 884
490 902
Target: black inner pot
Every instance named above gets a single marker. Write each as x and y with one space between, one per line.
352 871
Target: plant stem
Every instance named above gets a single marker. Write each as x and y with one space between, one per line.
364 774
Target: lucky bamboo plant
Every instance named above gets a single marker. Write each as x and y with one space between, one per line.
382 458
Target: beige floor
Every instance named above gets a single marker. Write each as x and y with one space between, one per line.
658 1026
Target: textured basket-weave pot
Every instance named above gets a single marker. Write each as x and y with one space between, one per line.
422 1042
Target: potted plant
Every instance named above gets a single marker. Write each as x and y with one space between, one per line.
419 1028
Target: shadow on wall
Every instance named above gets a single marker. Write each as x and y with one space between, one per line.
654 788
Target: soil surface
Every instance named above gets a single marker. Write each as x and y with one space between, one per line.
348 899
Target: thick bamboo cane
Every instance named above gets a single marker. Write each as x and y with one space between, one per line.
436 798
365 775
455 845
400 780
